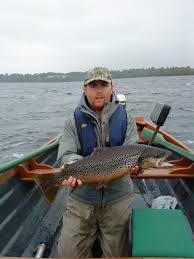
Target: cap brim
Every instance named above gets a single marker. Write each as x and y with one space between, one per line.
97 79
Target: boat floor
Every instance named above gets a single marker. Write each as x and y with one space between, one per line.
27 220
107 258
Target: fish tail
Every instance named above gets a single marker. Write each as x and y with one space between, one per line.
47 184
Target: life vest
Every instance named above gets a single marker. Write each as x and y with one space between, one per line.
86 133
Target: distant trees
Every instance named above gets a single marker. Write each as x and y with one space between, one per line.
79 76
144 72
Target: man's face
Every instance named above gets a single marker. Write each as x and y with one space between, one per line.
98 93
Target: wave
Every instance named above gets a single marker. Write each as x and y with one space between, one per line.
17 144
190 141
127 93
5 97
6 148
186 109
16 155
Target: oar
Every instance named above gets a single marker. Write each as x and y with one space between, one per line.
159 140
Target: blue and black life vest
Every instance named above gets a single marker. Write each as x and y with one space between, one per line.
86 133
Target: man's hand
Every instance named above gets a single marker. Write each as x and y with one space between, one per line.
134 170
71 181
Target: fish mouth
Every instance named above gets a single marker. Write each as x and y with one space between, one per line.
161 163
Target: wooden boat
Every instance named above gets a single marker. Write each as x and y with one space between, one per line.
29 226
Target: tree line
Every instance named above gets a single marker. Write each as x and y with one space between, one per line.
79 76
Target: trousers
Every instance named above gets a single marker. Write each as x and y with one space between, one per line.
83 223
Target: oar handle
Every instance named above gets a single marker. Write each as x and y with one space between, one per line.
154 135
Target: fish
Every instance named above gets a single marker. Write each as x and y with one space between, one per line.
105 164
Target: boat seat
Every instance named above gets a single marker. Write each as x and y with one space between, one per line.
160 233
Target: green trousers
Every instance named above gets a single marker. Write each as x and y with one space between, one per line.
83 223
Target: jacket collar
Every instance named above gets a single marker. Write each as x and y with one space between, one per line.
84 106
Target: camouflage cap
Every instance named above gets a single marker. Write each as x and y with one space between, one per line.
98 73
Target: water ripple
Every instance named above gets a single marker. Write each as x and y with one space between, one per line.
31 114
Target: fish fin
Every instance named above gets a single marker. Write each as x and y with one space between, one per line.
66 166
98 150
46 182
51 194
140 171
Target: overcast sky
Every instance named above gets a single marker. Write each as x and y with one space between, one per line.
75 35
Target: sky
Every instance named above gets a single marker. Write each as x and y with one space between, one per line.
75 35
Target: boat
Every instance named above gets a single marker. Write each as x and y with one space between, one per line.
30 227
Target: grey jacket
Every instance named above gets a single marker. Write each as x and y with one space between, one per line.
69 150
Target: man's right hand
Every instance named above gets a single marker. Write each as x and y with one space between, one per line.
71 181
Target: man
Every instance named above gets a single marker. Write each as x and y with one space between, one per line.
96 209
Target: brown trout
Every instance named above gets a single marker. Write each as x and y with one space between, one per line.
103 165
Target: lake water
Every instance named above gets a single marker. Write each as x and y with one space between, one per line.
33 113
